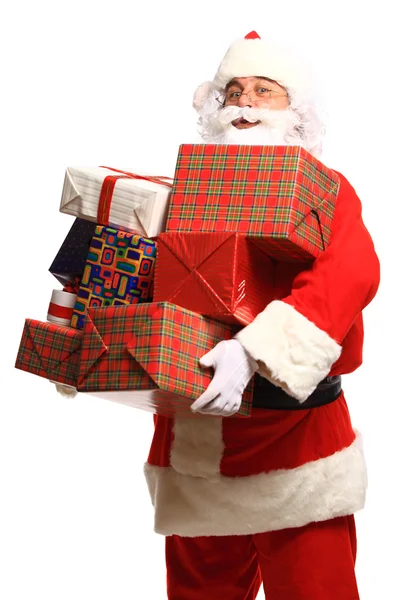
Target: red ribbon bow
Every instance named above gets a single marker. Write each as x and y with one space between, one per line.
72 286
108 185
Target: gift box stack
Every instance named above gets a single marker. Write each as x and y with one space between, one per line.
156 274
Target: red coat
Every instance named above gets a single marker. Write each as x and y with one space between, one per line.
279 469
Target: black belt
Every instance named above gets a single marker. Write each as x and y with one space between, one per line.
268 395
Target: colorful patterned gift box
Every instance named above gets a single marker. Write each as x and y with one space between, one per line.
49 350
280 196
221 275
127 201
147 356
119 270
69 262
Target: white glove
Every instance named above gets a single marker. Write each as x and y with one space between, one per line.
233 368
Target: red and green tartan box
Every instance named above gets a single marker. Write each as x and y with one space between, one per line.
49 350
119 270
219 274
282 197
147 356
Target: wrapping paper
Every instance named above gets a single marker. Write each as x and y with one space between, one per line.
136 205
49 350
69 262
119 270
281 197
219 275
148 356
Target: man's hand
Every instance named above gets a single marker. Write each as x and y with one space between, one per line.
233 368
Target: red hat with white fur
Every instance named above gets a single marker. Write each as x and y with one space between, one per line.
255 57
252 57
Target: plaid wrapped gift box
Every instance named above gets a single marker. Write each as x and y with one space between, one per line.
280 196
119 270
220 275
50 351
69 262
147 356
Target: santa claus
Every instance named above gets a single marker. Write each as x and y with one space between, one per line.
270 499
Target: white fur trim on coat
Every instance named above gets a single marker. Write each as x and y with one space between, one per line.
198 446
317 491
293 352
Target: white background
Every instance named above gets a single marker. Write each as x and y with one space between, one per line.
89 83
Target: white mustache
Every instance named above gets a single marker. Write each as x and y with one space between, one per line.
265 115
299 124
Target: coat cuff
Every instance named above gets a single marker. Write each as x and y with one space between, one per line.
292 352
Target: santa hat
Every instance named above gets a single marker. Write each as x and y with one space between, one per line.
253 56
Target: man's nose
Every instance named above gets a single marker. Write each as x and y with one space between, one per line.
245 100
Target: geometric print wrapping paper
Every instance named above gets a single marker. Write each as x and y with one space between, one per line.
281 197
148 354
119 270
49 350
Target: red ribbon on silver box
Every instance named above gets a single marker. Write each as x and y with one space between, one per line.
108 185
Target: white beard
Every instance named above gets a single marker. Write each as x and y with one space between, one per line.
276 127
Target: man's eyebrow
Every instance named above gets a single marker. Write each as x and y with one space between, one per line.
258 78
234 82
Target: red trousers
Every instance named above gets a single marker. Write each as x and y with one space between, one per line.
315 562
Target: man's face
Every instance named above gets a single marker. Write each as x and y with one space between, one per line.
253 111
257 92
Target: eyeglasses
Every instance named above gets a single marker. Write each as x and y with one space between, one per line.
231 98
